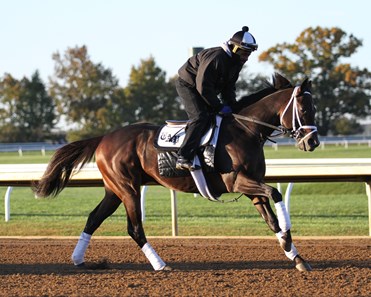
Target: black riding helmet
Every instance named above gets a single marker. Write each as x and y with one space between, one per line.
243 40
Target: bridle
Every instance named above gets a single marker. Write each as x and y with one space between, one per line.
295 132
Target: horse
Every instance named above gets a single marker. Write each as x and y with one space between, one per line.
127 159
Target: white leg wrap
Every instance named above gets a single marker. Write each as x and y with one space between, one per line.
153 258
80 249
292 253
282 216
279 235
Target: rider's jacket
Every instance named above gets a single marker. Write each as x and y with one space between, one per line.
213 72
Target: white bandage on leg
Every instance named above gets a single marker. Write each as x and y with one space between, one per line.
80 249
279 235
292 253
282 216
152 257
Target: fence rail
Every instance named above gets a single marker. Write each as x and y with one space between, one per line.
278 170
21 147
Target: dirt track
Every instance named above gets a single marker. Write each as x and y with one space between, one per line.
202 267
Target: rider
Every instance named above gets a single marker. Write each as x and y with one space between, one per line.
202 78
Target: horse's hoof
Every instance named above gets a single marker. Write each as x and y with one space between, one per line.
166 268
301 264
103 264
81 265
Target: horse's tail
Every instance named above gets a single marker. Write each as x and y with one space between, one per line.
62 165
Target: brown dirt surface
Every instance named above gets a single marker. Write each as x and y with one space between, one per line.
201 267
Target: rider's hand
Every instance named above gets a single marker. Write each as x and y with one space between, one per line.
226 110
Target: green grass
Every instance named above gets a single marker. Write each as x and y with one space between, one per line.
27 158
316 208
330 151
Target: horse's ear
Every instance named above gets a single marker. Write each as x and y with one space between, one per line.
306 84
280 82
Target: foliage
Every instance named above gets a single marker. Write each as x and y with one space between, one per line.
27 112
86 93
345 126
88 97
149 96
339 88
249 83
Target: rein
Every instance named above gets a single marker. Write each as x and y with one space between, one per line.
238 117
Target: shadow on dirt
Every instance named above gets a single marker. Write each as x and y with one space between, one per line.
107 268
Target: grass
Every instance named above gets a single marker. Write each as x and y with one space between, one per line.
316 208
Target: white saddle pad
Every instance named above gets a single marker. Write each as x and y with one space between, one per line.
172 136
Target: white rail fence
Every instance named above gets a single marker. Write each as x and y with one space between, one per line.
278 170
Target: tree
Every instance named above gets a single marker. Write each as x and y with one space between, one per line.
149 96
339 88
87 94
250 83
345 126
28 112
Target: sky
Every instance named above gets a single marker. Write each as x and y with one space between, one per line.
119 33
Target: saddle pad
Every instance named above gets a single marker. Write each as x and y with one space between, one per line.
171 137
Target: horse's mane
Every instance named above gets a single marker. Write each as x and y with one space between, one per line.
279 82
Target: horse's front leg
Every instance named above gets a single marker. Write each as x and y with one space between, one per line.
280 225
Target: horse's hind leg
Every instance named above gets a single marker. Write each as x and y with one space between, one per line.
104 209
136 231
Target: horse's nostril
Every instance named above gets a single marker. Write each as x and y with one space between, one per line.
311 142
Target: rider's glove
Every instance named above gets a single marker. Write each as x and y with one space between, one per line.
226 110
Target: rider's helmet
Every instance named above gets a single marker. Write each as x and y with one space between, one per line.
243 40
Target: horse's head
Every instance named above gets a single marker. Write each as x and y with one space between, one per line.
298 117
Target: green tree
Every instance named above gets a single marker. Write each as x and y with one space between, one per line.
87 94
249 83
346 126
319 54
149 97
28 112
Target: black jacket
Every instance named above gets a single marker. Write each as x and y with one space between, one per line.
212 72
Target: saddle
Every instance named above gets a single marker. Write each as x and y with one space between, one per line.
168 140
171 136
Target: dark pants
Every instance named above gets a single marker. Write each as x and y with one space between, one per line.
199 118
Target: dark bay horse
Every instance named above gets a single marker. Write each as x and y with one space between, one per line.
127 159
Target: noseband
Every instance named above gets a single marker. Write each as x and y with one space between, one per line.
296 131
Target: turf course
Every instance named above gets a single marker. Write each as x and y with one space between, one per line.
335 209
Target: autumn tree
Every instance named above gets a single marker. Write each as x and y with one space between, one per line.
319 53
87 94
27 112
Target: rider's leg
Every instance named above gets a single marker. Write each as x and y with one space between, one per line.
199 121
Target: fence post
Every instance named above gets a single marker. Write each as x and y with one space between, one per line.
7 203
142 202
174 213
368 193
